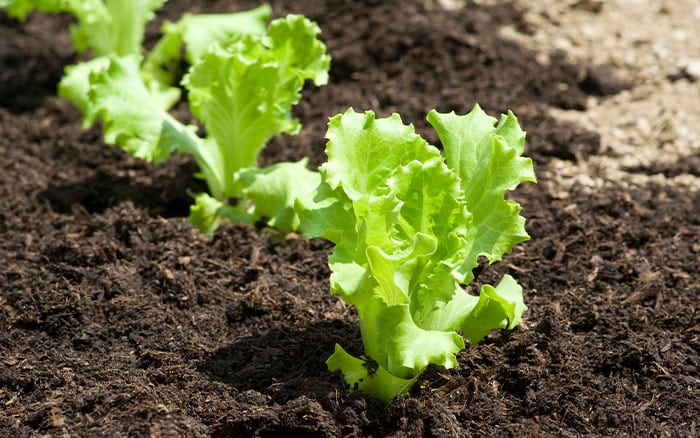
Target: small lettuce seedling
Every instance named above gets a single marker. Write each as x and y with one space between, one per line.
409 225
116 28
243 92
104 26
243 81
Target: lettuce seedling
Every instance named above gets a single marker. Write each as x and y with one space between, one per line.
243 92
242 84
409 224
104 26
116 27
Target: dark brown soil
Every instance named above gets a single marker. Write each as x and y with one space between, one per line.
117 318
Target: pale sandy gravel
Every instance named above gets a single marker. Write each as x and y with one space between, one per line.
645 42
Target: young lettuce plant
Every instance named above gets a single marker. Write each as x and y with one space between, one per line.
242 92
409 225
116 27
243 84
104 26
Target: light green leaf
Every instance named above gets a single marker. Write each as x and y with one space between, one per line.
132 118
327 213
487 160
197 33
294 42
441 303
207 213
364 152
204 213
395 272
431 202
19 9
75 86
111 26
356 372
499 307
349 279
376 217
274 189
409 348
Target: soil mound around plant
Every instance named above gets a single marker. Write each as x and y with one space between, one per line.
118 318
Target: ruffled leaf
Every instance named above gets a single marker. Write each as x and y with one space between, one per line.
487 160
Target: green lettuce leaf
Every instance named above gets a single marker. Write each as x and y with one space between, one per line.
111 26
197 33
363 152
75 86
273 190
499 307
207 213
132 118
244 92
409 348
19 9
487 159
326 213
104 26
378 383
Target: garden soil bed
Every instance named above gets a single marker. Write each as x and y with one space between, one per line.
118 318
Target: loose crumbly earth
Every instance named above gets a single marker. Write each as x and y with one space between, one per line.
650 131
117 318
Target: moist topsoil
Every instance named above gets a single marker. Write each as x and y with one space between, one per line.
118 318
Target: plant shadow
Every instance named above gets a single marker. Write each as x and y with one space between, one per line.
166 197
283 362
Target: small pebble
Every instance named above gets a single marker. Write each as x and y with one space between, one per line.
601 80
691 68
643 127
686 69
594 6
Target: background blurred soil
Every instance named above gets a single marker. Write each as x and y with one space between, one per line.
117 318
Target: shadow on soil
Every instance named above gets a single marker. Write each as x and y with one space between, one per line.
168 197
285 362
